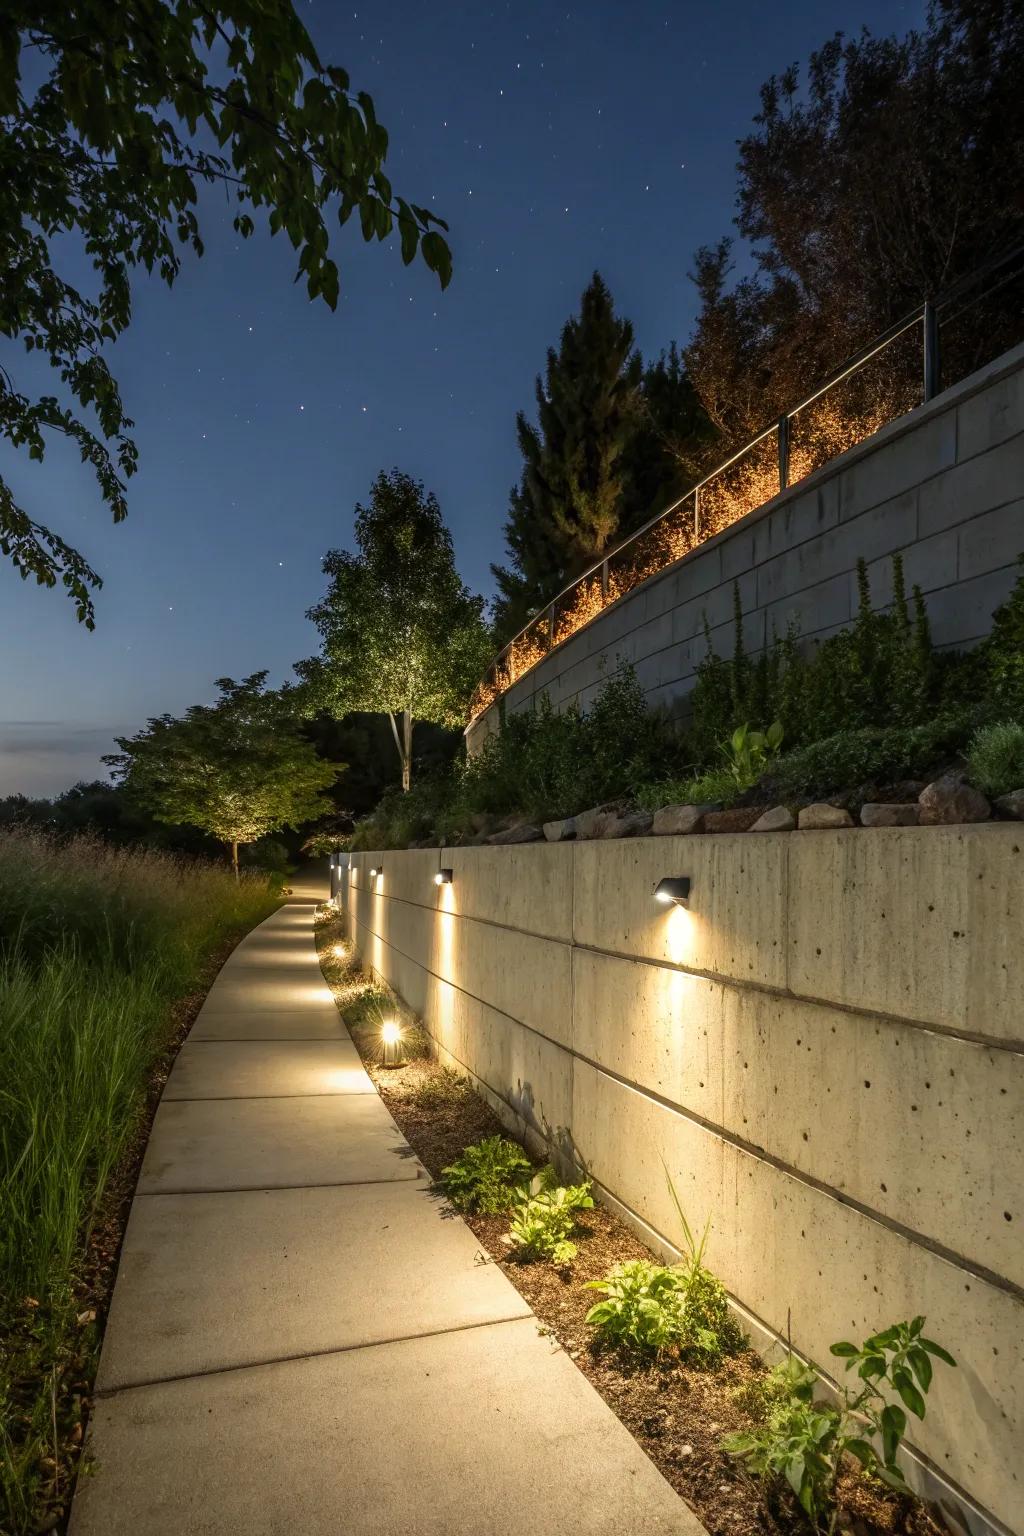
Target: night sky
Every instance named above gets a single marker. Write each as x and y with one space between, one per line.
555 139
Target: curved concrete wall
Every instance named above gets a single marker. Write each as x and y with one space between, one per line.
827 1049
944 485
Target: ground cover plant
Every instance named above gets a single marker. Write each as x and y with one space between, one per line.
544 1223
104 954
678 1409
487 1177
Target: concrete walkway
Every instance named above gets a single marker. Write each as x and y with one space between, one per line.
303 1341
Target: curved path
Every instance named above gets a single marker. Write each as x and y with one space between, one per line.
302 1341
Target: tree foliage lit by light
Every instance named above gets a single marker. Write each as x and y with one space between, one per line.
237 769
402 634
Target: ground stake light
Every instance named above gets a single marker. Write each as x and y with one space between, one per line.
393 1046
674 888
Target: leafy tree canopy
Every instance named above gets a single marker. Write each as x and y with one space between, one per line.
141 103
892 168
236 769
402 634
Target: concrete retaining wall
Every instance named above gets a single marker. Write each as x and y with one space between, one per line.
827 1050
944 485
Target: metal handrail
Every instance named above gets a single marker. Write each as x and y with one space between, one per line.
926 314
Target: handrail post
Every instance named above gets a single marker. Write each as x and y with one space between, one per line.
696 515
783 430
931 351
551 626
604 582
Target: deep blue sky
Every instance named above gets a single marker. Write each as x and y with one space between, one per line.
555 139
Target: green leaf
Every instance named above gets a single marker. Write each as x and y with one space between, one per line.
437 256
904 1384
938 1351
795 1470
844 1349
921 1363
863 1450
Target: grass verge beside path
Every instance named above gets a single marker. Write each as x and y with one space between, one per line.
105 957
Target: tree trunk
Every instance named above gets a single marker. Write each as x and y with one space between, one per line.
403 743
234 858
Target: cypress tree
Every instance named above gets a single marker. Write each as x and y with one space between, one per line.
567 508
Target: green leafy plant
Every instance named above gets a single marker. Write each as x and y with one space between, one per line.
804 1441
643 1306
747 753
848 759
995 758
1003 654
709 1330
489 1177
653 1308
544 1222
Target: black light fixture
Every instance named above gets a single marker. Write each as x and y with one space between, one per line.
377 870
443 877
673 888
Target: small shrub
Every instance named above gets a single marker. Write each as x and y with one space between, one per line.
441 1088
871 755
995 758
489 1177
804 1441
748 753
1003 655
652 1307
544 1222
643 1306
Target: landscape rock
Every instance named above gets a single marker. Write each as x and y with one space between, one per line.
950 800
679 820
823 817
1012 804
560 831
877 814
739 819
523 833
593 822
779 819
633 824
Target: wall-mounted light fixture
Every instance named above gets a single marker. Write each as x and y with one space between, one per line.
392 1044
377 871
443 877
673 888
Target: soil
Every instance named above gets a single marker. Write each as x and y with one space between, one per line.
56 1346
677 1413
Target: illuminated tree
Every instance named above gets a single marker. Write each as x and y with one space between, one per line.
236 769
141 104
402 635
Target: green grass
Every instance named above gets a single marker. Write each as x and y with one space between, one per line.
98 948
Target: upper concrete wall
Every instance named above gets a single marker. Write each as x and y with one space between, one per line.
826 1049
943 485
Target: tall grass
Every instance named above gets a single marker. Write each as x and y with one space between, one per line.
97 947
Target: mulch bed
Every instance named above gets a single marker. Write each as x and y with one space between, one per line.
677 1413
76 1323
